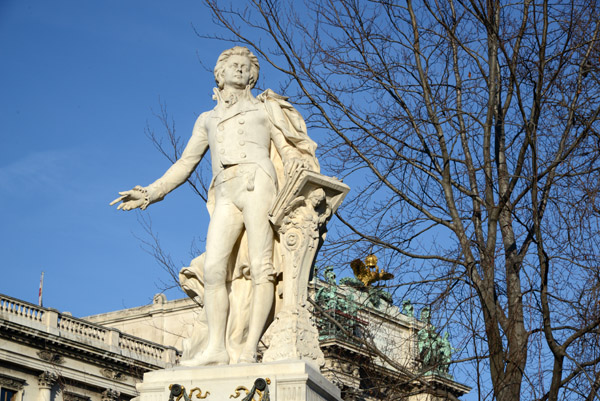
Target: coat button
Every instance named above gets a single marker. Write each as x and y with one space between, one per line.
240 131
221 151
243 155
242 142
241 121
221 127
220 138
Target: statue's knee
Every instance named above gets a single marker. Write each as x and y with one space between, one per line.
262 273
213 275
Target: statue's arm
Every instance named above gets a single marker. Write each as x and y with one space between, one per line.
183 168
287 152
290 155
176 175
288 133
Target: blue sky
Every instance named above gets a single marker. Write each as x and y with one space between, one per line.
79 81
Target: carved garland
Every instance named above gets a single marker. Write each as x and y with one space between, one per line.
51 357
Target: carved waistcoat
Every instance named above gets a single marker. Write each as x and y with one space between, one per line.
240 138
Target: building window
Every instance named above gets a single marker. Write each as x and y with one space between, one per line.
8 394
11 388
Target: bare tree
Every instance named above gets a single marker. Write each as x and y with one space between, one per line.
469 133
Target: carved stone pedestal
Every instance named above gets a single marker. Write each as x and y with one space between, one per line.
287 381
295 336
300 215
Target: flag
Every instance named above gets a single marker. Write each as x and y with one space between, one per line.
40 303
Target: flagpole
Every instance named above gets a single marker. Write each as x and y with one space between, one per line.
40 303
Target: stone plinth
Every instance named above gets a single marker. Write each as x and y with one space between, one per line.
289 381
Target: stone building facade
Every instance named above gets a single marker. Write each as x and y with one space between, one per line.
46 355
373 350
361 316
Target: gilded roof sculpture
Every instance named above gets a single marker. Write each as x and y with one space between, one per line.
368 272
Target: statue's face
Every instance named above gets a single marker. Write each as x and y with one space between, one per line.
237 72
315 198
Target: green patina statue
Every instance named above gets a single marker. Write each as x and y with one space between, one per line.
342 307
435 351
407 308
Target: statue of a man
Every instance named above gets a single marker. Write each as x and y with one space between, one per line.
255 144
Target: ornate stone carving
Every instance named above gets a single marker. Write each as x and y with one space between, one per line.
51 357
47 379
300 213
110 395
258 145
159 299
112 374
255 145
12 383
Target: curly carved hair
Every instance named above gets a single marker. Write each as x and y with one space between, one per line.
236 51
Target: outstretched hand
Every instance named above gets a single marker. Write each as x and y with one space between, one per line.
132 199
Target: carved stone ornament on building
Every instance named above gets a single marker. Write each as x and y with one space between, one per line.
113 375
159 299
47 379
110 395
51 357
12 383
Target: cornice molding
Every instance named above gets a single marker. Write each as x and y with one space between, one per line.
13 383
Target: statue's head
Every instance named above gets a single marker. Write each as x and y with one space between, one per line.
329 275
236 51
425 315
316 197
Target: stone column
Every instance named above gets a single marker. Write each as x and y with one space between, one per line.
45 382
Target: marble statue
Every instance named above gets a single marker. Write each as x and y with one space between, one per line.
259 150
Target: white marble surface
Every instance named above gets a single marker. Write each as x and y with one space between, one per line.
256 145
289 381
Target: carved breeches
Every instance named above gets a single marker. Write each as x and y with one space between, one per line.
244 194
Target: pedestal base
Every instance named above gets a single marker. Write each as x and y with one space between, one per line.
289 381
294 336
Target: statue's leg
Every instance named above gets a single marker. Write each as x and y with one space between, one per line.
260 250
225 227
